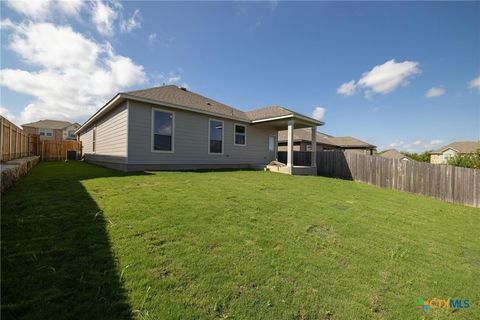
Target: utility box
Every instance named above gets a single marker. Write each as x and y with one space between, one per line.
71 155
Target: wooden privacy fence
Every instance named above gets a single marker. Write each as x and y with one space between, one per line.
448 183
16 143
53 150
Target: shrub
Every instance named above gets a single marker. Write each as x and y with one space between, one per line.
422 157
469 160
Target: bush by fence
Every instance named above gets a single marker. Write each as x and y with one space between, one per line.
448 183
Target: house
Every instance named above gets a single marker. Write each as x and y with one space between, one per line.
442 154
172 128
52 129
394 154
302 142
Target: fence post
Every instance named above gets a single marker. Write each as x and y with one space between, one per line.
10 142
1 141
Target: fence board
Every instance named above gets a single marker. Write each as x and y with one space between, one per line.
448 183
14 142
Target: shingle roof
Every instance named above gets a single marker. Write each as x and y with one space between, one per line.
393 154
350 142
180 96
306 135
269 112
460 146
50 124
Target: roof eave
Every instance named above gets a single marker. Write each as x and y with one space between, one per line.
290 116
107 107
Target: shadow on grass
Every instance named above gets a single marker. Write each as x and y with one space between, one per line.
57 261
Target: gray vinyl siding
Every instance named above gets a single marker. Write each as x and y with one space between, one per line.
86 139
111 137
191 139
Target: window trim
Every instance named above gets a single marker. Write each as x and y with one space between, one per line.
235 134
152 134
94 139
73 135
223 137
40 130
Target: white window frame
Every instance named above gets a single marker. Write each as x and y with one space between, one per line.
71 136
235 134
223 138
40 130
152 134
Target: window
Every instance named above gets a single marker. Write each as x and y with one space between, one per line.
240 138
163 128
71 134
94 138
46 132
271 143
215 137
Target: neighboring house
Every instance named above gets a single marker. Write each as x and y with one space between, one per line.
52 129
442 154
394 154
302 142
171 128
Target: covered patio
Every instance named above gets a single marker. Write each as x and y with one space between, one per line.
291 121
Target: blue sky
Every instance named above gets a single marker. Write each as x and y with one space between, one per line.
403 75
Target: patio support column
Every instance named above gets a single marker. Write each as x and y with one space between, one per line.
314 147
290 144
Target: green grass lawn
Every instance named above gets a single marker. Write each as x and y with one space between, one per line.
84 242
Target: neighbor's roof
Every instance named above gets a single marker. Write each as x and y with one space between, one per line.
460 147
50 124
173 96
393 154
350 142
306 135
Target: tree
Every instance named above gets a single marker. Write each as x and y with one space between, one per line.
422 157
469 160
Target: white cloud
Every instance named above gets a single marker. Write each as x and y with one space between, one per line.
134 22
273 4
475 83
34 9
54 47
104 16
6 24
42 9
318 113
71 7
168 78
152 37
397 144
433 144
416 145
347 89
417 142
75 75
382 78
4 112
435 92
